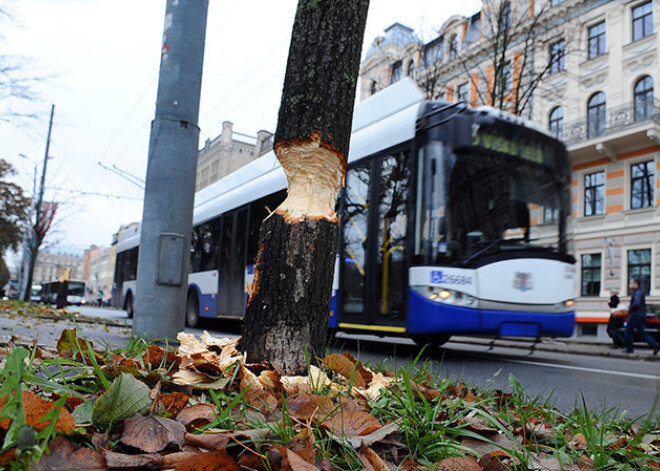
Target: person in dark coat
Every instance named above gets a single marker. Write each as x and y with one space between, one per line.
637 318
614 324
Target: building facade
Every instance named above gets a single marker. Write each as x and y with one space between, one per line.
228 152
51 266
98 263
585 70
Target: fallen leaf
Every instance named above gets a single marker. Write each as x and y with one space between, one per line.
35 408
152 434
458 463
547 462
252 462
368 439
495 461
352 423
63 457
147 461
367 455
82 414
174 402
209 441
348 368
578 441
304 407
216 460
125 397
7 456
303 445
197 416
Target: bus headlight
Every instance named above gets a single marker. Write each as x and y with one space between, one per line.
447 296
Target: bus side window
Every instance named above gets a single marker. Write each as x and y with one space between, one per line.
259 210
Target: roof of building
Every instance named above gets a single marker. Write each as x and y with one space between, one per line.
397 34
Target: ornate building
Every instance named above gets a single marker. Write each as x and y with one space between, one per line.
586 70
228 152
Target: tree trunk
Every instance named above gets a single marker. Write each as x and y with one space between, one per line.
287 313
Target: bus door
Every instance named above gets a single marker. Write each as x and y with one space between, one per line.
231 281
373 270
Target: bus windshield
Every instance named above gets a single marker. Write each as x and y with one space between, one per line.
481 202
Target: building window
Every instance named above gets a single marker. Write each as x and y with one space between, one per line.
557 122
596 115
591 268
411 69
597 40
505 16
642 21
639 267
374 88
558 57
463 93
395 75
453 47
644 99
550 214
641 185
433 51
594 194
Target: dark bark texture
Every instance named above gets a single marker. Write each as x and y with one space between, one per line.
288 315
321 72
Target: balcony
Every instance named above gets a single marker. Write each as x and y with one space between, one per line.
624 128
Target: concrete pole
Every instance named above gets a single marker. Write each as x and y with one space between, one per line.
171 170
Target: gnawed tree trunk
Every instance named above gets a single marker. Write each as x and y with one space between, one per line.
287 314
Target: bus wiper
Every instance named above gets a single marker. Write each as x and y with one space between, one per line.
481 252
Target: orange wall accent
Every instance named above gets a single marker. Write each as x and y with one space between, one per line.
531 8
614 191
593 163
575 199
614 208
465 26
474 92
533 221
614 174
450 93
517 72
637 153
575 183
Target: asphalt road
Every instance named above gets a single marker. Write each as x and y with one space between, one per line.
563 373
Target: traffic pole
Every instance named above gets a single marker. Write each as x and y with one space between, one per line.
171 170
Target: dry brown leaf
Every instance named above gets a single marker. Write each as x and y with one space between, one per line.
578 441
252 462
348 368
304 407
303 445
197 416
458 463
8 456
257 394
152 434
188 344
35 408
540 431
495 461
367 455
585 464
209 441
547 462
216 460
174 402
475 425
148 461
156 357
352 423
63 457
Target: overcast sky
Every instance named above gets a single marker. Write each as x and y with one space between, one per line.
99 60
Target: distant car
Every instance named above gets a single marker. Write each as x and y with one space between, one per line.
652 324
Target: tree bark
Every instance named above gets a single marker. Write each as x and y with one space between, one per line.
287 313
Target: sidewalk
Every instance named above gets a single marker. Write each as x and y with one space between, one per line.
569 345
46 326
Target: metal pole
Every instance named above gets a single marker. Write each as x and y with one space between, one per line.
25 261
34 246
171 171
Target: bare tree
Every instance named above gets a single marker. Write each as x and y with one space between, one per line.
287 313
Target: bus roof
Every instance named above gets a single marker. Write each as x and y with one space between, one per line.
380 122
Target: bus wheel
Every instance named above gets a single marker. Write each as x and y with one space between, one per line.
431 342
129 305
192 311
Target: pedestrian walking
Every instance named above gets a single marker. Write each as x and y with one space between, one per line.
615 323
637 318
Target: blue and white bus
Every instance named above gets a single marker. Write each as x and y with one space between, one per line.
453 221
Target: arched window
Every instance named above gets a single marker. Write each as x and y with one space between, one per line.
411 69
453 47
374 88
643 98
557 122
596 115
505 16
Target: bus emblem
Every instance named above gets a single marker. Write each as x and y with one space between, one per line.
523 281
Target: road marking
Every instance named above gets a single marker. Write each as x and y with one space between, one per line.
582 368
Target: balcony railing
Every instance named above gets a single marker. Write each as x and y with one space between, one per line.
616 119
